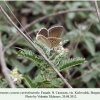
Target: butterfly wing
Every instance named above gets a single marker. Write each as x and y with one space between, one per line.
54 41
43 31
55 31
43 40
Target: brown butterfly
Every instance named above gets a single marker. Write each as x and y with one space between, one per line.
51 37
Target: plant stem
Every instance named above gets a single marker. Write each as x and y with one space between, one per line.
4 67
97 9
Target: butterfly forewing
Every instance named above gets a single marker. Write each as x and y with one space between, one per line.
43 32
43 40
54 41
55 31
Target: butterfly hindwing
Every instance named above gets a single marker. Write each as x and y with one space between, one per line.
43 40
54 41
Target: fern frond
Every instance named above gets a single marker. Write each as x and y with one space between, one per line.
38 61
59 58
44 49
71 62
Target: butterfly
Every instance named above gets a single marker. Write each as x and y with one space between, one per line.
51 37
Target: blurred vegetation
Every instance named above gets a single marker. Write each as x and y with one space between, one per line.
80 28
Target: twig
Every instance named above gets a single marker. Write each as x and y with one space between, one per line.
41 19
97 9
58 13
31 42
4 67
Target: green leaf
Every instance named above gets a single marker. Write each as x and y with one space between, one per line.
38 79
23 43
21 67
91 84
29 67
56 82
90 45
89 35
89 76
72 35
72 62
37 60
29 81
44 50
4 28
4 85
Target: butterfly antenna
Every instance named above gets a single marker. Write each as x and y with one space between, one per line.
18 20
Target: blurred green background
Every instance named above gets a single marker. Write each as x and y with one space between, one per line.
81 28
